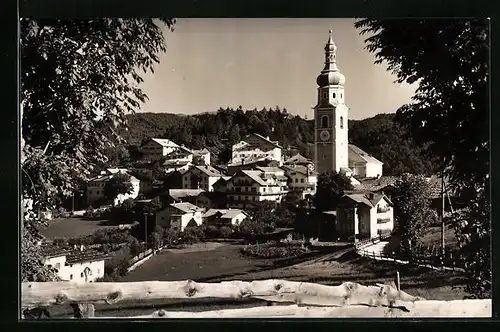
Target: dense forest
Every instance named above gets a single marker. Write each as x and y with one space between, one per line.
380 135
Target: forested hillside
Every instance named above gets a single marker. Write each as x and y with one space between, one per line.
217 131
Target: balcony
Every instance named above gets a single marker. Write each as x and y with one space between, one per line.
383 220
383 209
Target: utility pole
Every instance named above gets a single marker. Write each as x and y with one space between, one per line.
73 206
146 229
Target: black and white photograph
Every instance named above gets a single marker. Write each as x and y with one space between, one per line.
254 168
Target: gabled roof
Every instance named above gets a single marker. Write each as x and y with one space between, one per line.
224 213
298 168
251 160
165 142
269 169
255 175
298 159
377 184
369 199
179 163
213 195
275 143
209 170
186 207
364 155
178 194
77 256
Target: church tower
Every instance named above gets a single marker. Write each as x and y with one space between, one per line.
330 116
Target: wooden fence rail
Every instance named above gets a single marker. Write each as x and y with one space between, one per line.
419 261
308 299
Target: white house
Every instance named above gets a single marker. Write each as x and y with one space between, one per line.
224 217
301 178
200 177
362 164
76 265
246 187
255 147
95 186
157 148
364 215
178 216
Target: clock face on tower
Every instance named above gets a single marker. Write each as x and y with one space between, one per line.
324 135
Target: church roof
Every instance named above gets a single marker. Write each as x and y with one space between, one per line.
363 155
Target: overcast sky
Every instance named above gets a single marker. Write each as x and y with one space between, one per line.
256 63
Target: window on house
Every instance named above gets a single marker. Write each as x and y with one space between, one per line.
97 192
325 95
324 121
302 180
58 265
341 122
334 95
296 180
70 277
81 275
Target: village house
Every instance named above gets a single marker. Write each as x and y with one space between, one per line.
246 187
220 185
77 265
224 217
251 163
255 146
183 195
177 216
364 215
200 177
301 180
157 148
95 186
211 200
299 160
362 164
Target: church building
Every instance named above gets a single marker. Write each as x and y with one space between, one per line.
332 149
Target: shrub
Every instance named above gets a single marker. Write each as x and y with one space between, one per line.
273 250
170 237
192 234
226 232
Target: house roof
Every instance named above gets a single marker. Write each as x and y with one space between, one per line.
377 184
250 160
385 181
299 169
255 175
50 251
298 159
176 162
213 195
77 256
364 155
165 142
186 207
275 143
224 213
209 170
369 199
183 193
269 169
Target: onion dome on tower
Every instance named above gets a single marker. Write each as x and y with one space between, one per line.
330 75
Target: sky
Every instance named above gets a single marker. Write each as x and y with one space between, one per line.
256 63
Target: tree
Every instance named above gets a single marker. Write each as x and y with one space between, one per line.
330 189
119 184
450 67
234 134
412 206
79 78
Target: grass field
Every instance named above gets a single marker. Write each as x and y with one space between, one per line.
72 227
224 262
